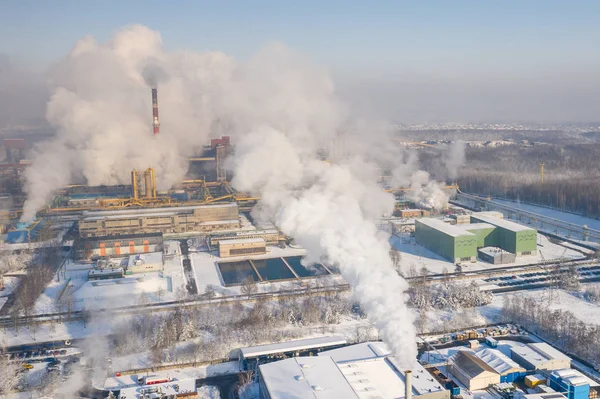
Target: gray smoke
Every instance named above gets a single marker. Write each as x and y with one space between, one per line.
455 158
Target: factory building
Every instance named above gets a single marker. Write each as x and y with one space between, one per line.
200 218
539 356
119 245
574 384
242 247
509 370
448 241
270 236
142 263
510 236
15 150
25 232
364 370
461 241
472 371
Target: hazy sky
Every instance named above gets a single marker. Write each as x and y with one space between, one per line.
403 60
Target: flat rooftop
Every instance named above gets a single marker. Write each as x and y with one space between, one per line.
175 387
234 241
291 346
502 223
494 251
445 228
475 226
538 353
306 377
373 372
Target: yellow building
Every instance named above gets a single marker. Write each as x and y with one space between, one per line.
241 247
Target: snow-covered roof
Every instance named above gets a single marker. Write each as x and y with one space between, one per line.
149 258
362 351
170 388
369 365
289 346
217 222
256 240
498 361
305 377
493 251
502 223
553 395
574 377
538 353
470 364
445 228
475 226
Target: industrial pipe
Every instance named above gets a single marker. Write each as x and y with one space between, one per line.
408 384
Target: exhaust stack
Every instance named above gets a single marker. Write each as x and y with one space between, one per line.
408 384
155 123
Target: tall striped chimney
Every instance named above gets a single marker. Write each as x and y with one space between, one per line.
155 123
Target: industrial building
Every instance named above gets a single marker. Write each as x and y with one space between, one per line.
461 241
509 370
200 218
510 236
412 213
446 240
472 371
270 236
142 263
241 247
118 245
25 232
364 370
574 384
539 356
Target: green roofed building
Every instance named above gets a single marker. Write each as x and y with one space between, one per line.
510 236
451 242
459 243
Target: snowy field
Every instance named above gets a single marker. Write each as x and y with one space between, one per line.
557 299
414 256
553 213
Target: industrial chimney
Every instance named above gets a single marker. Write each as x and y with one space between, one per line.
155 123
408 384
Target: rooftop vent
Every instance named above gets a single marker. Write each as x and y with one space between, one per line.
316 388
305 366
299 377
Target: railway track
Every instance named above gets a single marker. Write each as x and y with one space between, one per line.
171 305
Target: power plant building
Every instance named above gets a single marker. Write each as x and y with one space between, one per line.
539 356
471 371
464 241
510 236
446 240
200 218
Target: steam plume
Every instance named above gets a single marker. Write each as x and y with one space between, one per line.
455 158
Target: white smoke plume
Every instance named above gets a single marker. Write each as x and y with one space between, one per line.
101 109
455 158
279 109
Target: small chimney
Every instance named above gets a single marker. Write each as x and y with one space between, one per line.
408 384
155 123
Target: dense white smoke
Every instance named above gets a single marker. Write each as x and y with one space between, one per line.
101 109
280 111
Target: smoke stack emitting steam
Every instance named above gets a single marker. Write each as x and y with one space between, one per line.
155 123
281 111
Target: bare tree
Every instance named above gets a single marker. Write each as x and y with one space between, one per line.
10 375
249 286
160 292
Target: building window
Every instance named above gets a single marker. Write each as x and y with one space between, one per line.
242 251
526 253
465 259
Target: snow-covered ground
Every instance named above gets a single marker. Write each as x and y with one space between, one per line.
554 213
10 283
416 256
183 373
557 299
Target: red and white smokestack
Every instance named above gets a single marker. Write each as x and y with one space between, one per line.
155 123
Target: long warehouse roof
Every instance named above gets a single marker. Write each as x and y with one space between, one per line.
502 223
444 227
176 209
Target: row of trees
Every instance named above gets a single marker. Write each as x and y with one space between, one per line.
211 332
448 296
557 326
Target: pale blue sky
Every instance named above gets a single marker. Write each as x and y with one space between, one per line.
426 48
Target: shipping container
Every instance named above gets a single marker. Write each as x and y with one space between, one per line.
533 381
491 342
